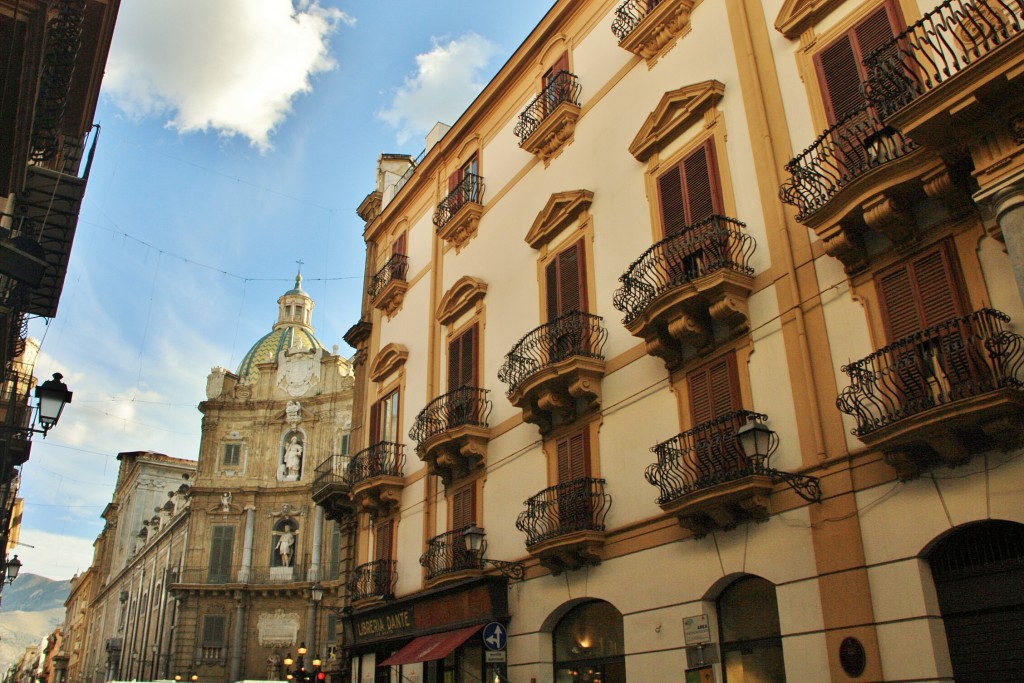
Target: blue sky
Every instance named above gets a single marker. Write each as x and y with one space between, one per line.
238 137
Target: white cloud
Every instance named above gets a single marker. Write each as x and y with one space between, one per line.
233 66
447 80
55 556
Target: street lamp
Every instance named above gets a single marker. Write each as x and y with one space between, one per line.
759 443
12 568
53 395
299 674
473 537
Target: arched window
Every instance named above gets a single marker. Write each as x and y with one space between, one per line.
978 572
751 639
284 544
589 645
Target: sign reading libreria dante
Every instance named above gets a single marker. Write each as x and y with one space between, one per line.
392 624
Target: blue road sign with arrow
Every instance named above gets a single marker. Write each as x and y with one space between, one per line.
495 636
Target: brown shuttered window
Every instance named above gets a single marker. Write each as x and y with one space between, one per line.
384 419
464 507
714 390
574 457
462 360
921 293
566 282
383 534
840 66
214 630
222 545
398 246
690 192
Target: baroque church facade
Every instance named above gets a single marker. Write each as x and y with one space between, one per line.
218 584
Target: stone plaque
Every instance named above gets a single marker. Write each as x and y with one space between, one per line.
278 628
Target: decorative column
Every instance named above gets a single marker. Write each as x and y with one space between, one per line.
250 525
238 641
313 573
310 631
1008 207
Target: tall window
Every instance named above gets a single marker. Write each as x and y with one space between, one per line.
334 571
222 545
214 636
840 66
464 507
573 454
921 292
566 281
232 454
714 390
462 360
690 191
384 419
552 85
466 181
751 638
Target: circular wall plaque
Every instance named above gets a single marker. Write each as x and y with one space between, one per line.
852 657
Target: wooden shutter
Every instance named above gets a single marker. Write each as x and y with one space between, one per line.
375 423
691 191
567 282
398 246
462 360
222 545
840 65
714 390
673 207
214 627
574 457
920 293
383 535
464 507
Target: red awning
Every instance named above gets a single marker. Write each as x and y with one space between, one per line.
429 648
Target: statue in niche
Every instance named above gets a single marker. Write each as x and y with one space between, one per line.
293 459
225 501
285 545
274 667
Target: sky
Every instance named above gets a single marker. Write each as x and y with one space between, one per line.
237 139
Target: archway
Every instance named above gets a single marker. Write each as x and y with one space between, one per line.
978 571
750 635
588 645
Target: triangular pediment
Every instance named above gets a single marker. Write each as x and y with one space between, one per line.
390 358
796 16
677 110
459 297
562 209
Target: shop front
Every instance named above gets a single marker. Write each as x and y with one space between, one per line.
430 637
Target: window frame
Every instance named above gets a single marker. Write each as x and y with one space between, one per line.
471 333
227 446
553 269
686 201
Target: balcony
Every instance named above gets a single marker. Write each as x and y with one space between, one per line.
199 576
564 524
549 121
331 487
451 433
375 475
554 372
951 67
940 395
374 580
387 288
448 559
705 478
674 291
458 216
648 28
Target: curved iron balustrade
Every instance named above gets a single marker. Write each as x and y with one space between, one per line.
447 553
573 334
713 244
563 87
469 190
840 155
376 579
63 38
937 47
463 406
396 268
957 359
705 456
631 14
384 459
333 470
566 508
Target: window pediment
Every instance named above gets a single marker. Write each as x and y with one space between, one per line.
390 358
677 110
466 292
796 16
561 209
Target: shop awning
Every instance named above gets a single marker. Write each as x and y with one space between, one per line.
429 648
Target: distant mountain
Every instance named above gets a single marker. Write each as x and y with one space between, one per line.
31 593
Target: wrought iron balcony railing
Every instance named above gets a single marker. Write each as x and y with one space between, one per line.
713 244
458 408
566 508
573 334
934 49
957 359
858 143
563 87
631 14
384 459
396 268
469 190
63 38
334 470
376 579
707 455
447 553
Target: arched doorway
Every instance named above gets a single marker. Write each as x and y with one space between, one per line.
588 644
978 572
751 638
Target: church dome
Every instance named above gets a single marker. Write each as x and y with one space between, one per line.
293 330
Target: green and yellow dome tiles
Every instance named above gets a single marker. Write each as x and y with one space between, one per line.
292 331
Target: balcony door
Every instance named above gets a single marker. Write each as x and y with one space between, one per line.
575 506
566 283
714 395
689 194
